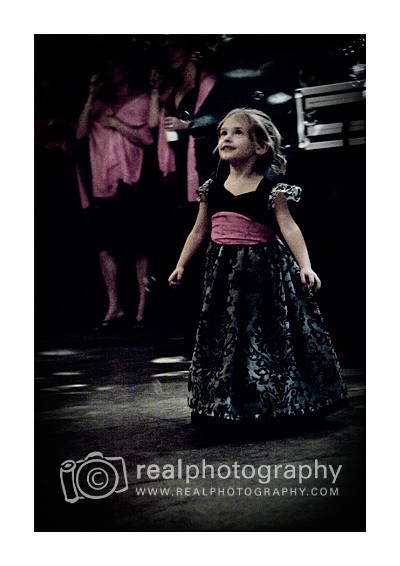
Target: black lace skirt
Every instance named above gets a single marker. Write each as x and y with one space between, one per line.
262 349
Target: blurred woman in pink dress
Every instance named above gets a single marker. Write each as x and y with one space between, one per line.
113 192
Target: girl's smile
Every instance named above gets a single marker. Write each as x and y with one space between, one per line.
235 143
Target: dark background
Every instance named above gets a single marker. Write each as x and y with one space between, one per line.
68 288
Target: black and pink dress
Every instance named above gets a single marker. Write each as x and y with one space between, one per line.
262 349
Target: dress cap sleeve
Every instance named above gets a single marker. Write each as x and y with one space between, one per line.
291 192
202 192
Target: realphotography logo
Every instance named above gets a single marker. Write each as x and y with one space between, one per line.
97 477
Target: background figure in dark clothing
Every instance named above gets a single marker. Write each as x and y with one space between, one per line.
173 111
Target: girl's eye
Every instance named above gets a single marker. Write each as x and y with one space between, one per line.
238 131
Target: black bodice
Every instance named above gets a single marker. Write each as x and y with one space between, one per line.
254 204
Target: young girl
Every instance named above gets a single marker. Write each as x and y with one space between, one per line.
262 349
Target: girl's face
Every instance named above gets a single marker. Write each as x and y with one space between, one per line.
235 143
115 71
177 54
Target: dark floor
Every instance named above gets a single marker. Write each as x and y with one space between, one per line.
124 395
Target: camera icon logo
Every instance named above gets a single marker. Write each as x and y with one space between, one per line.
95 477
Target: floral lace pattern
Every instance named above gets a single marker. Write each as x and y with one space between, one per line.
291 192
202 192
260 355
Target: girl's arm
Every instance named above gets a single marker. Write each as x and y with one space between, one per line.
294 238
83 125
139 135
154 109
170 122
192 244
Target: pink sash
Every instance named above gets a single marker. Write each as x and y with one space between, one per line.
234 228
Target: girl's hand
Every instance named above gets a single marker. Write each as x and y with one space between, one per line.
155 79
175 278
173 124
95 84
108 122
310 279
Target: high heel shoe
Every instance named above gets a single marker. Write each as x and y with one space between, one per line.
138 324
111 324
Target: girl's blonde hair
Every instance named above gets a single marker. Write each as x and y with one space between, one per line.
262 129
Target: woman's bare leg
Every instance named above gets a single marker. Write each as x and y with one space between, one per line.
142 272
109 272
